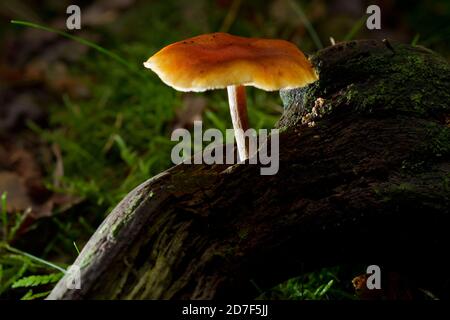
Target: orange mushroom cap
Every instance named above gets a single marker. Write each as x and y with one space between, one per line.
218 60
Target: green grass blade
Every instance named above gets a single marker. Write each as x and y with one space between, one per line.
83 41
20 219
4 214
30 256
355 29
325 288
76 248
416 39
31 296
312 32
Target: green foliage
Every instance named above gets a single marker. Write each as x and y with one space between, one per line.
322 285
438 141
21 269
12 267
9 232
37 280
297 291
32 296
15 264
4 216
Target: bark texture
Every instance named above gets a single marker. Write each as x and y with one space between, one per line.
364 176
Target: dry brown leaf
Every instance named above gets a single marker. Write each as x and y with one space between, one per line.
17 194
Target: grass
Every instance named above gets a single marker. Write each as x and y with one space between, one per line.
312 32
4 215
20 269
324 284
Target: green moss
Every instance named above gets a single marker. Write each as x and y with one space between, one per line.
411 191
87 258
438 144
408 84
115 228
396 192
128 214
243 233
416 99
413 81
433 148
413 165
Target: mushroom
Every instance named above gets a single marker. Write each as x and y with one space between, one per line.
219 60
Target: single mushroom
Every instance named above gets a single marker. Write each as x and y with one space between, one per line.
219 60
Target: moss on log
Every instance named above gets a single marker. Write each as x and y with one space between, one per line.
364 177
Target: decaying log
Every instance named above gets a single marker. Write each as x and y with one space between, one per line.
364 176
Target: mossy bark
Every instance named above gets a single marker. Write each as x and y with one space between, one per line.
364 177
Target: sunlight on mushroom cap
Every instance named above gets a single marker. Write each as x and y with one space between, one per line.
217 60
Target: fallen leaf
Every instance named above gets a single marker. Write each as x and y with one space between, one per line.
21 177
17 195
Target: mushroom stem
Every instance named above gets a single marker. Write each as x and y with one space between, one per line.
238 111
